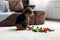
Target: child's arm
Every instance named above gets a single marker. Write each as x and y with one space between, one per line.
27 20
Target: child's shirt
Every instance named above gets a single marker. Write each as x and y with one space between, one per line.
20 20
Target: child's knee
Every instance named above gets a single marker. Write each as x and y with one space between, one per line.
19 27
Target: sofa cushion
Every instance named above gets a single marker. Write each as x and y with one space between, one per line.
4 6
16 5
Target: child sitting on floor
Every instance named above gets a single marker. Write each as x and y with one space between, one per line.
23 19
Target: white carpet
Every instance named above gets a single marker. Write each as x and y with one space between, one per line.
9 33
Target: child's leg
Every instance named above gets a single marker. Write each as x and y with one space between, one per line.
20 27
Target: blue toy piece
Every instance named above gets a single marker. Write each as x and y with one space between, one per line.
50 29
40 29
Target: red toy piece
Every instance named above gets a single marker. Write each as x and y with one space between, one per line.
45 30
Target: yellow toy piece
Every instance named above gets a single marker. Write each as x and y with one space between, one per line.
37 29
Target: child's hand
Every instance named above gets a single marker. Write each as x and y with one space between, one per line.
29 28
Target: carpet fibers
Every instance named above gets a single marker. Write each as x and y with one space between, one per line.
10 33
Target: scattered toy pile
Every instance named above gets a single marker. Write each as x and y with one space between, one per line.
41 29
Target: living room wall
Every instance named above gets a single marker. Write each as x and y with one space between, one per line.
40 4
51 7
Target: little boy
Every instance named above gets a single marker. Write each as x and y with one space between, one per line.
23 19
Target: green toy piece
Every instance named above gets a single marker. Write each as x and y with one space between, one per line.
33 29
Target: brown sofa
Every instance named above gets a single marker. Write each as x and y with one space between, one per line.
39 17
